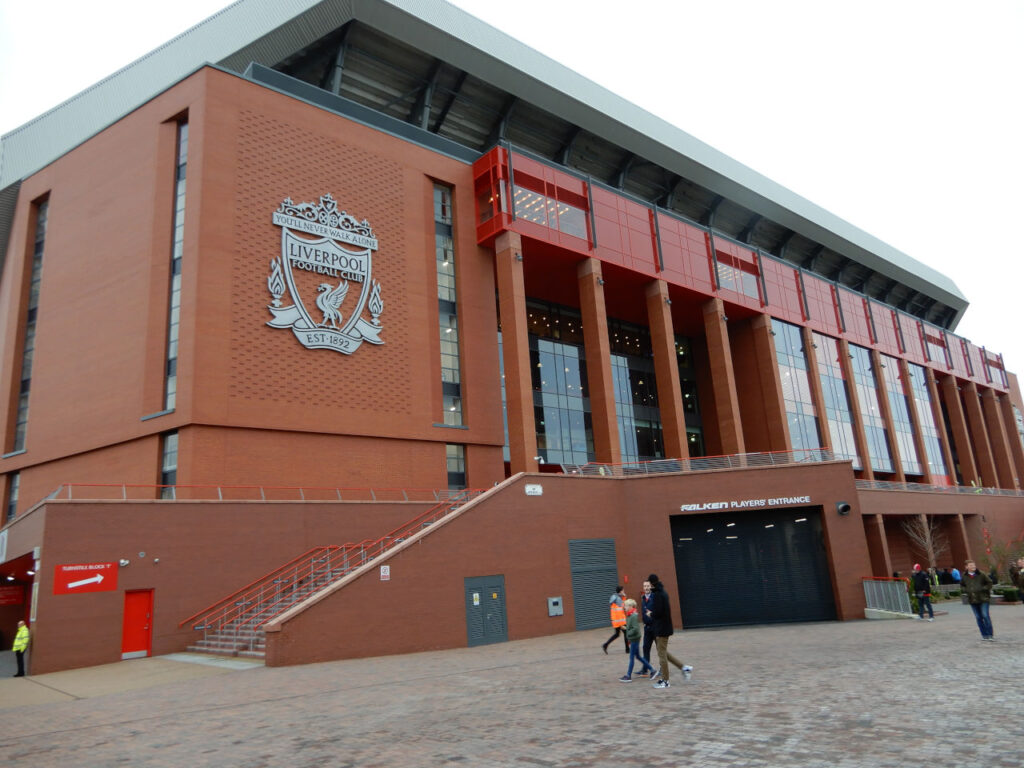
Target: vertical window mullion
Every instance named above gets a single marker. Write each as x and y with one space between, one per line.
177 248
447 303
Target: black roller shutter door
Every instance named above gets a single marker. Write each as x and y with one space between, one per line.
752 567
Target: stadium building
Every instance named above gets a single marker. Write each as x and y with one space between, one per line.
330 304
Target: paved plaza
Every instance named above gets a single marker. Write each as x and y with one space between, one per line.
866 693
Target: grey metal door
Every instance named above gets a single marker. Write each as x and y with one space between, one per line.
594 578
485 610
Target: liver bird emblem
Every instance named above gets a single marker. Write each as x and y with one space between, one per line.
328 302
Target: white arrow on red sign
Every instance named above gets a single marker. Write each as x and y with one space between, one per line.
97 579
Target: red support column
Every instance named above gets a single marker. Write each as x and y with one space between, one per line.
817 394
982 449
666 371
940 423
860 438
882 388
915 423
1013 438
599 362
723 377
522 431
958 426
997 438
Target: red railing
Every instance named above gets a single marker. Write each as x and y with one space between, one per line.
144 491
252 606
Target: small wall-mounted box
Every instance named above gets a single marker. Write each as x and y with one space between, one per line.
555 606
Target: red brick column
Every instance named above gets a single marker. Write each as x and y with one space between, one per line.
890 427
997 438
958 426
982 450
522 432
915 423
599 362
878 545
771 384
723 377
860 439
940 423
814 380
666 371
1013 438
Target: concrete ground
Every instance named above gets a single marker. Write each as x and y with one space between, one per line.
869 694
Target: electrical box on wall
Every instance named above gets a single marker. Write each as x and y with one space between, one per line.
554 606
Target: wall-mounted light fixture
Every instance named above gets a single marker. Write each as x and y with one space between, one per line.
725 319
539 459
843 508
519 257
600 281
669 302
123 562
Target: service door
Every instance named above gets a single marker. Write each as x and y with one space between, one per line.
137 632
595 575
485 610
751 567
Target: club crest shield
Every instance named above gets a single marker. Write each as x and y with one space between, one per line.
325 268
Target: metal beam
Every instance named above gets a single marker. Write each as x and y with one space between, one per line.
498 129
747 231
420 112
448 104
339 61
624 172
708 219
567 147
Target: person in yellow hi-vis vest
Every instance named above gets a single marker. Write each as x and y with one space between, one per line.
617 610
20 644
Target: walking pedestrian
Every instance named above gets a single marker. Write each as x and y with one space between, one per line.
978 588
20 644
633 638
617 611
661 618
923 592
646 601
1017 577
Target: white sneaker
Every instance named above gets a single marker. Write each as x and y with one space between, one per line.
687 670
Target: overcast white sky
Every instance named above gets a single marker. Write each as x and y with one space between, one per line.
901 116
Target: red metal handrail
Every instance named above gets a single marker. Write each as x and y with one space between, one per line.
327 563
66 490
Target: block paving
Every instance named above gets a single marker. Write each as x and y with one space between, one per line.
862 694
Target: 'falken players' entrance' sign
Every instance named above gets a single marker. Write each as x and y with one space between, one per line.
74 578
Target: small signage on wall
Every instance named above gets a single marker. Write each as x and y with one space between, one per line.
76 578
534 489
318 269
385 573
779 501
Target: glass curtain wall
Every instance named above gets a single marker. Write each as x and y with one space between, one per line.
900 406
691 402
561 402
177 250
870 410
922 401
804 433
837 399
636 392
447 309
28 348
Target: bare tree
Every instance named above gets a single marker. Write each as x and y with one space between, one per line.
926 533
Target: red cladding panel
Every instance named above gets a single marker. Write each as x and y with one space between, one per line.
625 232
782 284
885 328
914 348
739 282
684 249
821 304
855 317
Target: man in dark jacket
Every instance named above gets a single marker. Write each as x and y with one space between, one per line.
978 588
661 622
646 602
923 592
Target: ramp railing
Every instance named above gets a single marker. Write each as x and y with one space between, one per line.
701 463
238 618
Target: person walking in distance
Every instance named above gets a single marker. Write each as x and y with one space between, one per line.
617 611
923 592
20 644
661 619
633 638
978 588
646 601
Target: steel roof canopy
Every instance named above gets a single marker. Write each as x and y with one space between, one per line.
269 31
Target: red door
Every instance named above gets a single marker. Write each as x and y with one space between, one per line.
138 615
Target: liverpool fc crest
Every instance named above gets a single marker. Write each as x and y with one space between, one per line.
331 258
